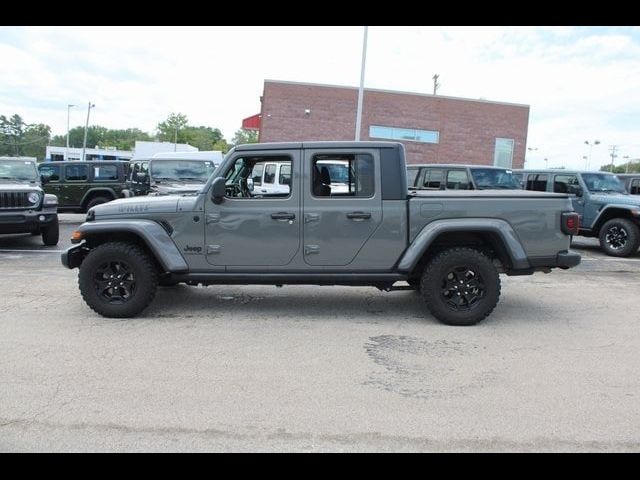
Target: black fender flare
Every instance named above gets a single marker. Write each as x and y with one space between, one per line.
430 232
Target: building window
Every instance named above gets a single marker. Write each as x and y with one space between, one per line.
409 134
503 156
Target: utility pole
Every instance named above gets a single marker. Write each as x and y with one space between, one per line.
66 154
612 149
436 85
361 89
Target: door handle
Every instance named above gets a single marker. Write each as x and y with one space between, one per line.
359 215
283 216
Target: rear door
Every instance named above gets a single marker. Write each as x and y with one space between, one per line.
338 224
76 178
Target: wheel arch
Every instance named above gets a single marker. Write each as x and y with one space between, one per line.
493 235
97 192
148 234
612 212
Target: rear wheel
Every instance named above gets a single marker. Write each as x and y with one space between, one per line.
461 286
619 237
118 280
51 234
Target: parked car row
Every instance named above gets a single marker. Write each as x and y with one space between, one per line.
608 205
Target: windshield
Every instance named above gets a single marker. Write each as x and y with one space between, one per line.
601 182
181 170
13 170
491 178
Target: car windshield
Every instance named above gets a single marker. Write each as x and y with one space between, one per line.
18 170
601 182
181 170
492 178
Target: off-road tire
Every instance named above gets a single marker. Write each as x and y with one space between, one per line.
619 237
97 201
478 293
51 233
143 280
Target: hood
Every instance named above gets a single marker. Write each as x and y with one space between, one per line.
18 186
137 205
615 198
176 187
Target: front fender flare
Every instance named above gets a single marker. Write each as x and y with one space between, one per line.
430 232
154 236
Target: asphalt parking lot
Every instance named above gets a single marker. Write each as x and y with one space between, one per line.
258 368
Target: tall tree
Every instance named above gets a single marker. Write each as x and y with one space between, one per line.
17 138
172 129
244 136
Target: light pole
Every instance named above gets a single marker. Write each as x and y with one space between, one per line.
584 157
626 157
84 142
591 144
546 163
66 154
361 89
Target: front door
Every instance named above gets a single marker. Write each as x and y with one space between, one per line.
251 228
342 206
76 183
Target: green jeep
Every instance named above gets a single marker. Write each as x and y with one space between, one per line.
82 185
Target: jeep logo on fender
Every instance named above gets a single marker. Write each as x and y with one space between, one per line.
190 249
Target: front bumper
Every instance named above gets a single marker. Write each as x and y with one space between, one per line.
21 221
72 257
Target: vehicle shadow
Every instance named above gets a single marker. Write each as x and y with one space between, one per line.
293 303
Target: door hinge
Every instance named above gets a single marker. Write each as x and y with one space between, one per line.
311 249
213 218
213 249
311 217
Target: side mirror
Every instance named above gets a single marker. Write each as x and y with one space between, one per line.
574 190
250 184
44 179
218 190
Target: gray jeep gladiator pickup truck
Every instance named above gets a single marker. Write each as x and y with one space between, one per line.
451 246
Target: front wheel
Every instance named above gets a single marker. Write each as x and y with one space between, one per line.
619 237
51 234
461 286
118 280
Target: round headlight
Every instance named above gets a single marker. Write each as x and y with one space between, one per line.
34 197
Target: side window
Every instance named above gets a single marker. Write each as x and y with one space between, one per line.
52 170
342 175
76 173
285 175
433 179
458 180
134 170
537 182
244 168
144 167
412 174
565 184
256 174
105 173
635 187
270 173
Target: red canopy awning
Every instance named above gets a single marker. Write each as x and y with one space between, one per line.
252 123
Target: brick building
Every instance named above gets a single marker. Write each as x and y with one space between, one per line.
433 128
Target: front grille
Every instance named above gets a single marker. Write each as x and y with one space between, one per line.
14 200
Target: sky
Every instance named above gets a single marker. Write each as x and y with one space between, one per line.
582 83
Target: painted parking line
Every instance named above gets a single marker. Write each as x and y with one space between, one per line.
612 259
3 250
